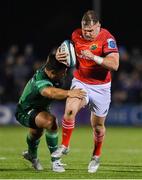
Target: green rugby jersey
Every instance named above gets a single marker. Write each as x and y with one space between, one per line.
31 97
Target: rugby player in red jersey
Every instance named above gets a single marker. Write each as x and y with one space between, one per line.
97 55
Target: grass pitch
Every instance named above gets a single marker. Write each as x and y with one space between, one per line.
121 155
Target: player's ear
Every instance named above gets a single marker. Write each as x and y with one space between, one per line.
98 27
53 72
98 24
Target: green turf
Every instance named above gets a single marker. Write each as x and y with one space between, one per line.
121 156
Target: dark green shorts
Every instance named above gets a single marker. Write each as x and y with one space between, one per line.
27 117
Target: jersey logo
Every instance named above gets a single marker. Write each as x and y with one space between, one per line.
111 43
93 47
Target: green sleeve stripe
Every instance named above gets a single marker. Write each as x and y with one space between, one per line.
42 84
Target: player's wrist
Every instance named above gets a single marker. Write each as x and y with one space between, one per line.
99 60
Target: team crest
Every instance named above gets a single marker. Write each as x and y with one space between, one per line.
111 43
93 47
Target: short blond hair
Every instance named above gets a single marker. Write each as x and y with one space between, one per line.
89 18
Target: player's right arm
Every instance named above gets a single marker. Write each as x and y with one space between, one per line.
59 94
61 56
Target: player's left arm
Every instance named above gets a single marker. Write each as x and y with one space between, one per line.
110 61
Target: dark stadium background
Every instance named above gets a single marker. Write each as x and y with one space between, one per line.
39 25
45 24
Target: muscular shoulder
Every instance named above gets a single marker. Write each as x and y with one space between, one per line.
108 41
105 34
76 34
40 80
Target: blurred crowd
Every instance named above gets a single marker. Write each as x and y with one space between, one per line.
18 65
127 81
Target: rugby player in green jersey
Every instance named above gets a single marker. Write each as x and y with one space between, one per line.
33 109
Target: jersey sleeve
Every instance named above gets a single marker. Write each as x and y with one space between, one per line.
110 45
75 35
41 84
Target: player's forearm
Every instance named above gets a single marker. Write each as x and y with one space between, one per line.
59 94
110 62
55 93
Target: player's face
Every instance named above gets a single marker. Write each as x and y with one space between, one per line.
58 75
90 32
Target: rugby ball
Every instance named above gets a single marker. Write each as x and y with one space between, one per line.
67 47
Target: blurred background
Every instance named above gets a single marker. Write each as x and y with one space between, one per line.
30 29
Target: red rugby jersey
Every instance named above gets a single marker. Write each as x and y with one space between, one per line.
87 70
